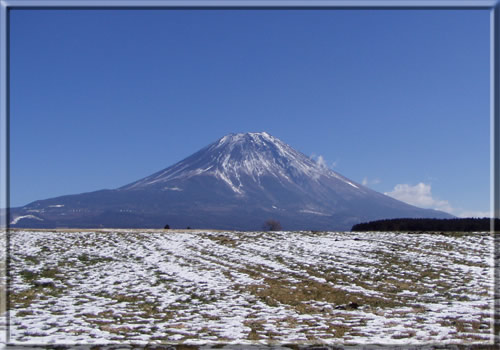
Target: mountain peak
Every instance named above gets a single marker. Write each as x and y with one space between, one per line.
238 138
242 157
247 134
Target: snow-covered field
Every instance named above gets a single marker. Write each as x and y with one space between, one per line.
213 287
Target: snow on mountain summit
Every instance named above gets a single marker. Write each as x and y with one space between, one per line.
252 155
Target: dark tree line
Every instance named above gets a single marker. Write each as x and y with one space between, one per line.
443 225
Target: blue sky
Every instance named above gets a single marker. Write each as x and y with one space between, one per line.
395 99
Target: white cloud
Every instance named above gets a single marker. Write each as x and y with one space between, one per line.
473 214
419 195
367 182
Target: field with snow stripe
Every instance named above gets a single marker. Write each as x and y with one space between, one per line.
210 287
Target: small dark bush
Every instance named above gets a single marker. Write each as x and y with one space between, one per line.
272 225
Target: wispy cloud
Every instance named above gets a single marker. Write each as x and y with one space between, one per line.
367 182
322 162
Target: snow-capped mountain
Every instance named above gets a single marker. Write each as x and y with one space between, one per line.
237 182
241 161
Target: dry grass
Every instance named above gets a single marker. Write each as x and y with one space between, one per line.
275 291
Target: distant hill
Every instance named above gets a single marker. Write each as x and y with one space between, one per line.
238 182
443 225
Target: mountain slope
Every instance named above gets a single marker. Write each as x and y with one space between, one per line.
237 182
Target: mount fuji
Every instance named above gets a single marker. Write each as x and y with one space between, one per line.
237 182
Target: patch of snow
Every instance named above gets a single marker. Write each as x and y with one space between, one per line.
196 287
172 188
223 177
308 211
17 219
350 183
